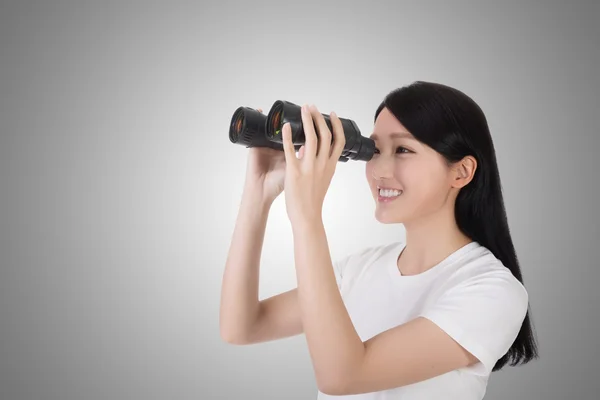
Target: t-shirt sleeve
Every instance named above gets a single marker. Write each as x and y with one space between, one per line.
483 314
338 269
347 266
343 264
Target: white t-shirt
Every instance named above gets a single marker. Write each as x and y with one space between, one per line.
470 294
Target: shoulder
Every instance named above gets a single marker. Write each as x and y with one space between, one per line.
481 268
482 284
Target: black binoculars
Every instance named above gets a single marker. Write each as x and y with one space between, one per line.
251 128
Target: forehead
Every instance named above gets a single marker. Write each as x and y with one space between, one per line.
387 127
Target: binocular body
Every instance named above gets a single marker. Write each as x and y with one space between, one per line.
251 128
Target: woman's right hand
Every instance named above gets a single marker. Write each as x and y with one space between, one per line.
266 170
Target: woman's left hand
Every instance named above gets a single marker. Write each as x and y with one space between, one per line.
308 176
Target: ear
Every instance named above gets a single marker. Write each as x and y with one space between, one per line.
463 171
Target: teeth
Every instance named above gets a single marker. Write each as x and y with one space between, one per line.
389 193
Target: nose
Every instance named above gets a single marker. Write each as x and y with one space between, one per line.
382 168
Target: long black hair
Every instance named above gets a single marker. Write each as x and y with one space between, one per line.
451 123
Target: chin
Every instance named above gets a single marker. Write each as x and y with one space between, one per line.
388 216
388 221
389 213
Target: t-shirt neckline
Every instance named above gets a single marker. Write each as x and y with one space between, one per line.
392 262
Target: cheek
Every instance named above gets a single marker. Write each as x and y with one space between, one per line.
432 192
408 174
420 180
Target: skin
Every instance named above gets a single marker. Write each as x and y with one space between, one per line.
414 351
430 187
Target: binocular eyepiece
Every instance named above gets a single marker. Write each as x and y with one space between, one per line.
251 128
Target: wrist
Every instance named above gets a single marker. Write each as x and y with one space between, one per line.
256 198
307 225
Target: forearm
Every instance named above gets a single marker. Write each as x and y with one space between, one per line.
239 293
335 347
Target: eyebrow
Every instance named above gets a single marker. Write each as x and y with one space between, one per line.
395 135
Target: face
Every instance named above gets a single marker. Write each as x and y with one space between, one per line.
400 162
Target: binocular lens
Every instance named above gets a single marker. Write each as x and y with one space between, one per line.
253 129
237 126
247 128
276 121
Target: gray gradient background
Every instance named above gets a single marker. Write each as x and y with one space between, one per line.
120 188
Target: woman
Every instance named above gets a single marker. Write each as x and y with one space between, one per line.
429 317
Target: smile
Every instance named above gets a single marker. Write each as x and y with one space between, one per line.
388 195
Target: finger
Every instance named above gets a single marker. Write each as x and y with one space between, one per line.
339 138
260 110
288 146
301 152
324 135
310 150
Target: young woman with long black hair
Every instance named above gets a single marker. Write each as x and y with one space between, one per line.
428 317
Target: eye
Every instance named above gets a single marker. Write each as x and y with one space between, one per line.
398 150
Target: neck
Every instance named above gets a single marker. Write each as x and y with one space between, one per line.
430 240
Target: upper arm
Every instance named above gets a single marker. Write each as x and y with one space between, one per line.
472 324
278 317
406 354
